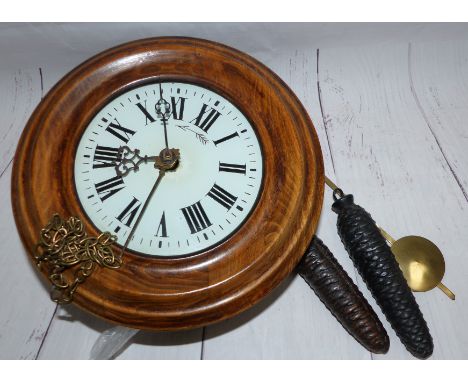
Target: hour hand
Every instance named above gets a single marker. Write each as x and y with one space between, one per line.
129 160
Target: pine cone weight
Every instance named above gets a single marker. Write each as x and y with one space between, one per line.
380 271
336 290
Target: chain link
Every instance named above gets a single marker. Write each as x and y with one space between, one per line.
70 255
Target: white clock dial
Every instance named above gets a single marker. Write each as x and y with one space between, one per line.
199 204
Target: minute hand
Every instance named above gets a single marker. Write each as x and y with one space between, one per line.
155 186
162 165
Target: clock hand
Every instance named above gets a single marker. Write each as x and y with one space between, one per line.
163 111
163 165
155 186
130 160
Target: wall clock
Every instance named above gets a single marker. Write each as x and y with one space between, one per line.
199 162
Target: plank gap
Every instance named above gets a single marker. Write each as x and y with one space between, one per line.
46 332
7 167
429 125
202 349
319 90
42 83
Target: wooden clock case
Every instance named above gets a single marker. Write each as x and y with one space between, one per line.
158 293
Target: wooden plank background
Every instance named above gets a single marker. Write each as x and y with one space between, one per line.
389 104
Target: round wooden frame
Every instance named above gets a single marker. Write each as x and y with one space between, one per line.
187 292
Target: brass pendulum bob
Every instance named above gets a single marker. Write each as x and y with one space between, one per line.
421 262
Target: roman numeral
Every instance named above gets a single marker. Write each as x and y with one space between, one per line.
119 131
226 138
143 109
105 156
109 187
128 214
220 195
162 227
229 167
206 118
178 108
196 217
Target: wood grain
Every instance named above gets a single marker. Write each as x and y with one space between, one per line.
147 293
20 92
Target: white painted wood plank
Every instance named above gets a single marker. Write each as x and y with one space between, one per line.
291 323
26 307
439 75
73 333
46 43
165 345
387 157
20 92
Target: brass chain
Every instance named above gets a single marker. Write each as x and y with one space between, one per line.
70 255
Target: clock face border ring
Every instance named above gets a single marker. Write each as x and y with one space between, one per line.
187 292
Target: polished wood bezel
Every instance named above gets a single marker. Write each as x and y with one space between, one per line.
187 292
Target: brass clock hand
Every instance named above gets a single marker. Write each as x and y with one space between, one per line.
163 111
163 165
155 186
130 160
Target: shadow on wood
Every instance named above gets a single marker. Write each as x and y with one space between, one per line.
243 318
177 338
